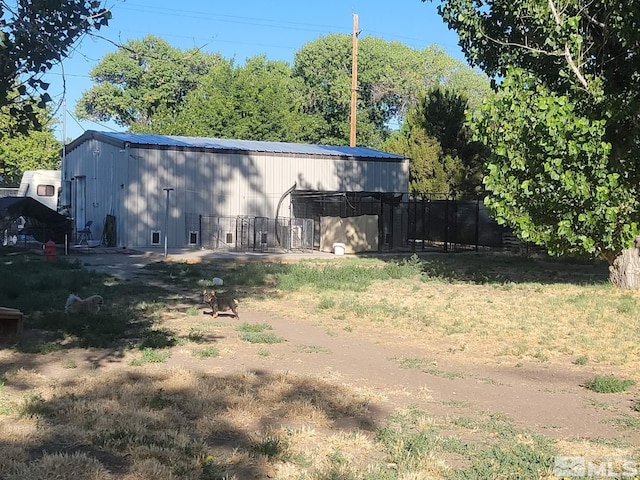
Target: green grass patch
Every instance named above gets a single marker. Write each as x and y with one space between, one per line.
410 436
261 337
581 360
326 303
629 422
160 401
41 347
609 384
253 327
207 352
69 363
418 363
150 355
255 333
351 275
312 349
271 446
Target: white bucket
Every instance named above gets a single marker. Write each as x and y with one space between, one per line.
338 248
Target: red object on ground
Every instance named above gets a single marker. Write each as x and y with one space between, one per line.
50 250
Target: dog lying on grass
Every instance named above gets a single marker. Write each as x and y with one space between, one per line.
75 304
220 303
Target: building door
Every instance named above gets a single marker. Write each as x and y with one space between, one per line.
80 203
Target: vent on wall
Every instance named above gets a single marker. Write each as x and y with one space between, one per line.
193 238
155 237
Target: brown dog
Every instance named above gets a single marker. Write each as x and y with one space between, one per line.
220 304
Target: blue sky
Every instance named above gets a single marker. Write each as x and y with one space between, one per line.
239 29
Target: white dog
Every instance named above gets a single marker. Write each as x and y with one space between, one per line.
90 304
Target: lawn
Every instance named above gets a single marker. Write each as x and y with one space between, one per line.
138 391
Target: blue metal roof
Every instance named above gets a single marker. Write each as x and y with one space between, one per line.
239 145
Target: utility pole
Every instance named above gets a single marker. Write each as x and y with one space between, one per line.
354 81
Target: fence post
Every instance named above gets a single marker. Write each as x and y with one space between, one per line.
446 224
477 223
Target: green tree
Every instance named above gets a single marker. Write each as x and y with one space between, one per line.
141 78
426 171
563 129
391 77
444 158
35 149
256 101
35 35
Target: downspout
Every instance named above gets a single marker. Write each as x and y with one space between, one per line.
284 195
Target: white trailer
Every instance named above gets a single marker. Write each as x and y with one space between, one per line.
42 185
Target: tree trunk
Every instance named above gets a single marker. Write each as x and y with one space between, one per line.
625 270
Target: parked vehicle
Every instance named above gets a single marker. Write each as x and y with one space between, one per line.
41 185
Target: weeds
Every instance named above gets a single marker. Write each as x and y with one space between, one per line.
608 384
312 349
261 337
271 446
150 355
206 352
581 360
255 333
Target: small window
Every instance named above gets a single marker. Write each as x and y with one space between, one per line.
193 238
229 238
155 237
46 190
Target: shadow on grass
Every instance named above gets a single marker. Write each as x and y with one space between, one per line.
179 424
501 268
39 289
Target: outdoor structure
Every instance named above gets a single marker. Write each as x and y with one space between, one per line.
143 190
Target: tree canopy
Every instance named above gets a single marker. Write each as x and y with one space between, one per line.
444 159
563 129
38 148
149 86
34 35
391 78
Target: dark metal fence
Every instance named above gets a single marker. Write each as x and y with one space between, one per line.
404 224
447 223
246 233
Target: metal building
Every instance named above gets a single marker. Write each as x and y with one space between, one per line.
146 187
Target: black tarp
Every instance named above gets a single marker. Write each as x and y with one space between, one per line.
43 223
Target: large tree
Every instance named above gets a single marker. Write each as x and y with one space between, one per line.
391 77
563 129
37 148
35 35
444 159
259 100
149 86
141 78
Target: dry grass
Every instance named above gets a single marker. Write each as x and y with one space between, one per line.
172 421
158 421
496 323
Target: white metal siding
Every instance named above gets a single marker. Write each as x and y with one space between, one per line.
129 183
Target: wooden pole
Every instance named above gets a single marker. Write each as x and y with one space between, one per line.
354 82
